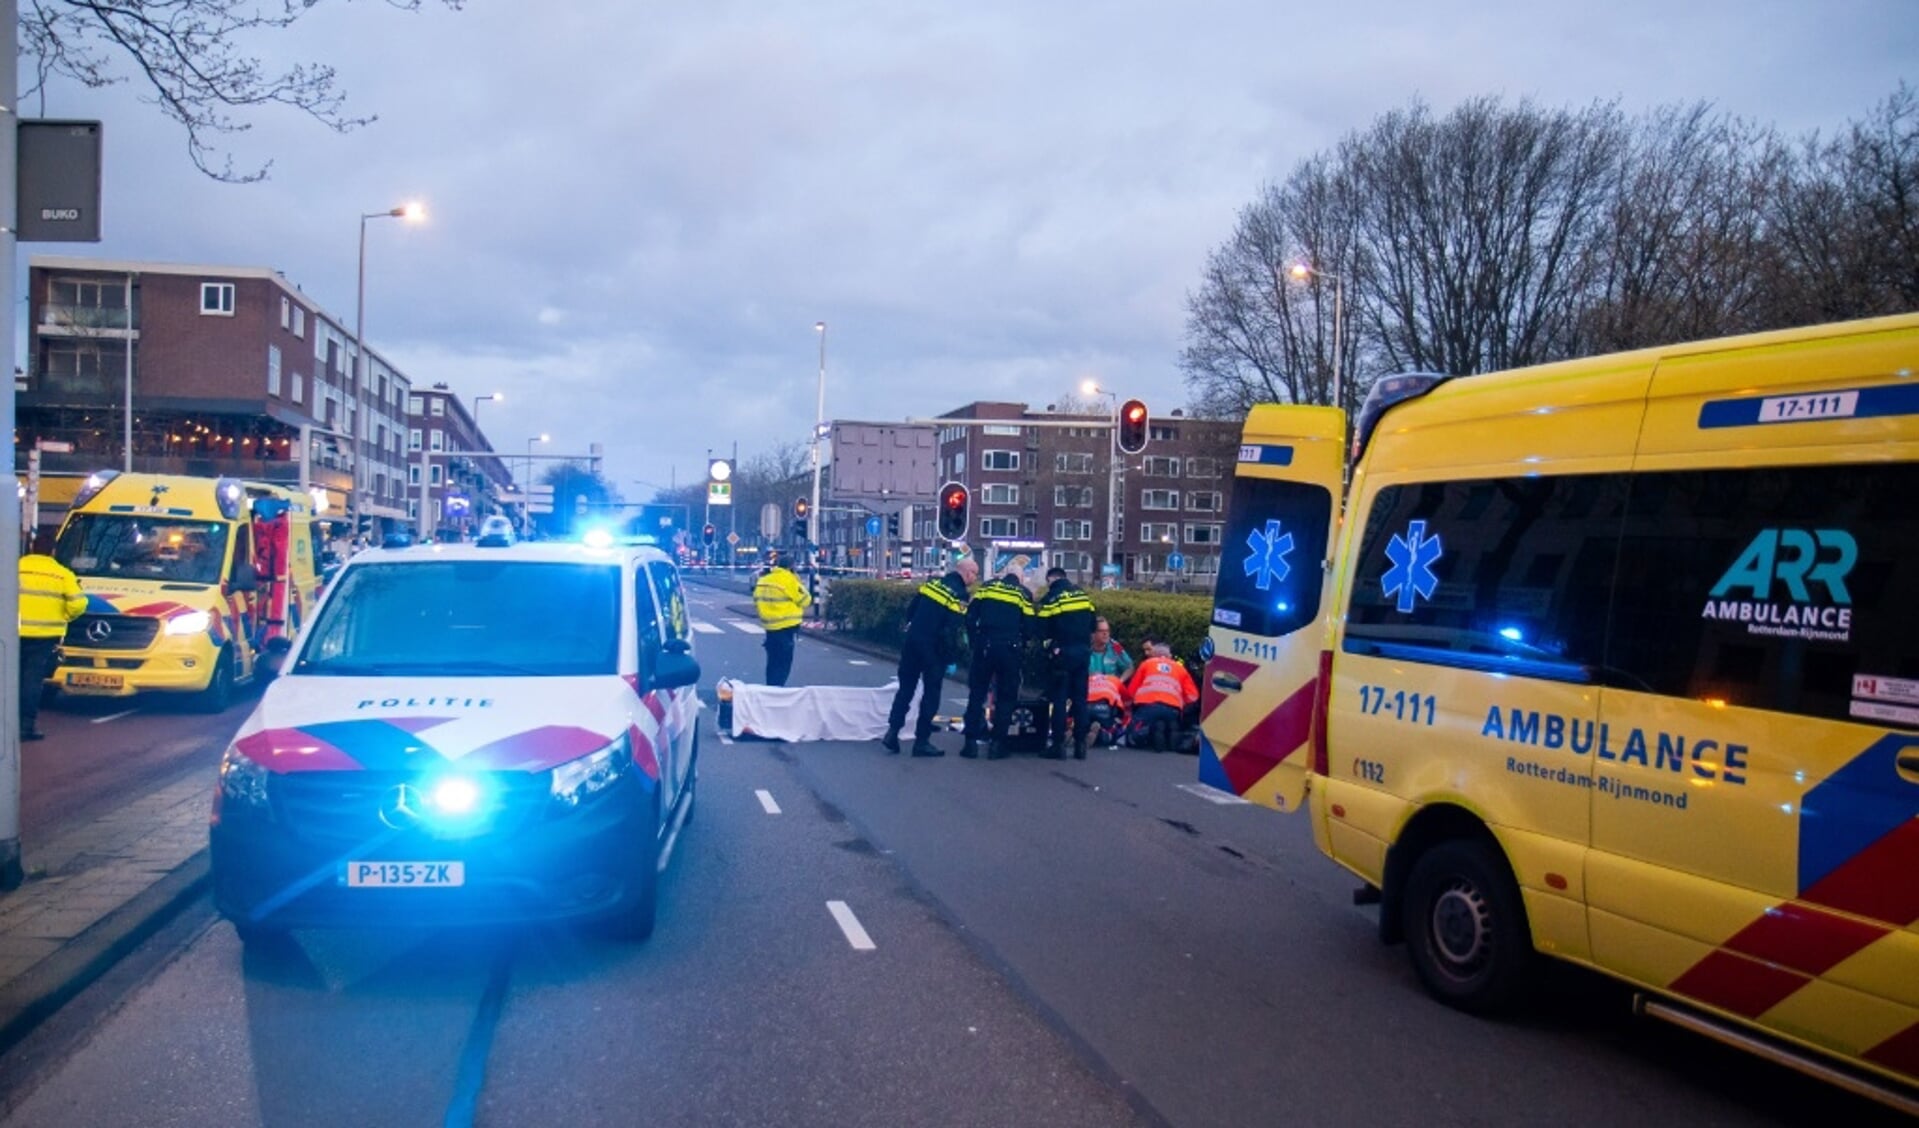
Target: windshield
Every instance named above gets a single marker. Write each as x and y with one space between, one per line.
143 547
469 617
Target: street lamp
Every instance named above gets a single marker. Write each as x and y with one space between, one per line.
1301 271
819 424
477 401
413 213
540 438
1113 508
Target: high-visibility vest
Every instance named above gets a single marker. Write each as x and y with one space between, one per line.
50 597
781 601
1162 681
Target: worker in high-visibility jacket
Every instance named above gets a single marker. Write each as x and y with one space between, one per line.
782 602
1161 689
50 598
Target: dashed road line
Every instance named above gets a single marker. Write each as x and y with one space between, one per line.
766 802
706 628
113 716
1214 795
743 625
850 925
858 662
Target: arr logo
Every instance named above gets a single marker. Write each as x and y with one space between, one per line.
1795 558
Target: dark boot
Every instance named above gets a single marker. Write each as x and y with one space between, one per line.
1052 751
997 750
891 742
969 750
1079 750
927 748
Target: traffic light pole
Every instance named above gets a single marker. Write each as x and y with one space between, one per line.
1114 513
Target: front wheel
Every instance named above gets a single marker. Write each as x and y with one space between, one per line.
219 691
635 917
1465 927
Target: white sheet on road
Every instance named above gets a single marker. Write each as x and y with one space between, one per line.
815 712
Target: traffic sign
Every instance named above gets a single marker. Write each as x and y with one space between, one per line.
541 491
873 526
733 539
1177 562
719 493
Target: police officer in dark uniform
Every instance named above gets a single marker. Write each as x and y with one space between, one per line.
999 621
1066 621
933 624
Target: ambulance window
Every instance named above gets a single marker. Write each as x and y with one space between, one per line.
1274 556
1791 589
1508 574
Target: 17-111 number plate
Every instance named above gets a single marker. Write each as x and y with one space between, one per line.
405 875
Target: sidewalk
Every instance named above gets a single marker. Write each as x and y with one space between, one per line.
93 894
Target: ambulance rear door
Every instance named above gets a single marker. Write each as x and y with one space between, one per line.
1264 652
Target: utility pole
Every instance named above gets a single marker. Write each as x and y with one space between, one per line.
11 873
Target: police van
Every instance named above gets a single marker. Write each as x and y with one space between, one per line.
466 734
187 582
1615 661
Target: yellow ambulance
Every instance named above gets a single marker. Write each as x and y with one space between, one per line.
1614 660
188 582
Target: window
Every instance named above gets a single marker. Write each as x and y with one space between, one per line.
1202 468
1203 501
998 527
286 313
1161 467
1202 534
999 460
1072 463
413 474
299 321
379 487
414 406
999 493
1072 529
1159 499
1000 429
74 293
437 441
413 439
437 406
379 436
1153 533
959 464
1073 561
299 388
273 370
1161 433
1511 575
435 474
1280 599
1073 497
216 298
1772 588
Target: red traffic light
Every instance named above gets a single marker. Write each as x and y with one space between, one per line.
708 533
952 514
800 507
1132 426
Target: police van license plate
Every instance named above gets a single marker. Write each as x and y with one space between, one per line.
405 875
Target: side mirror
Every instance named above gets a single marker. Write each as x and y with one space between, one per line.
274 655
245 579
676 670
678 646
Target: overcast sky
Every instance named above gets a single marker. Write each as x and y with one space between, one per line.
639 211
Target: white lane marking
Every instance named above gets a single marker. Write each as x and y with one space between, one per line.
706 628
858 662
743 625
114 716
766 802
1214 795
850 925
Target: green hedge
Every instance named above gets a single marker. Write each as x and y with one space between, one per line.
875 609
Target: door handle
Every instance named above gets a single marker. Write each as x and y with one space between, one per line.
1909 766
1226 683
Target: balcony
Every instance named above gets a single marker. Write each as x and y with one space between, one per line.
99 322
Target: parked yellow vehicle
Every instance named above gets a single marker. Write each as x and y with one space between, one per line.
1614 660
187 581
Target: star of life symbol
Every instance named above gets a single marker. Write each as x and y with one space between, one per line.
1266 559
1413 557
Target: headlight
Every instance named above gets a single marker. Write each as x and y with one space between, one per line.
243 782
575 780
193 622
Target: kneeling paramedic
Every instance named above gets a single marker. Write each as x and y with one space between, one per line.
1161 690
933 625
1066 622
999 621
782 603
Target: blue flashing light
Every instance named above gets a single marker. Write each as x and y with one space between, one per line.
1511 634
455 795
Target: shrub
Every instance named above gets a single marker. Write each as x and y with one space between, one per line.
875 610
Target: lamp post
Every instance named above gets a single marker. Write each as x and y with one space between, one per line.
412 213
477 401
819 424
1301 270
539 438
1113 509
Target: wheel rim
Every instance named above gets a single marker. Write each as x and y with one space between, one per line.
1461 928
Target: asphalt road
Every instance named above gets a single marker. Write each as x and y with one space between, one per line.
1052 944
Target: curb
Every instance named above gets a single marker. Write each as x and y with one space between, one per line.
45 987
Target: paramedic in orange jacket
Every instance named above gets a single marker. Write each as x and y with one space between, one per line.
1161 689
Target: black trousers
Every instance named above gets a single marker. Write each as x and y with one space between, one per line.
779 655
923 669
995 667
1158 723
1068 697
36 662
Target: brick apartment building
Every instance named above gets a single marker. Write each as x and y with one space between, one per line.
235 372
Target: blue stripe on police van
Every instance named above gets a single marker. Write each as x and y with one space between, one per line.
1867 403
1267 455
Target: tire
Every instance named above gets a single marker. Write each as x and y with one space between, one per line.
1465 927
633 920
218 695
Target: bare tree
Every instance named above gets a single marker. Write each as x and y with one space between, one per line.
184 52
